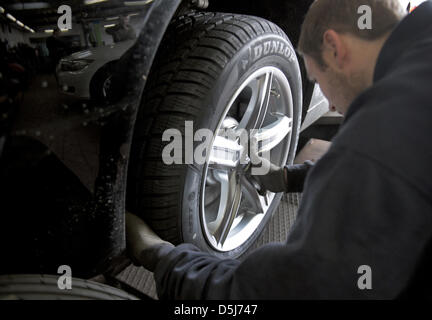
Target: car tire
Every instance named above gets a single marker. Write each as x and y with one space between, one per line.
102 90
203 58
45 287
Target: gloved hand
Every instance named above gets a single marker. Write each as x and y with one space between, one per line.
145 247
288 179
275 180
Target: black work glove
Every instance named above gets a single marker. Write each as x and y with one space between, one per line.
145 247
288 179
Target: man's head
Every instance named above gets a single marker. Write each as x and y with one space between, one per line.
340 55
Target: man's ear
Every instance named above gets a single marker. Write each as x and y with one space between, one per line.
334 49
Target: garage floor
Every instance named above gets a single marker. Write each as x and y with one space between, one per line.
276 231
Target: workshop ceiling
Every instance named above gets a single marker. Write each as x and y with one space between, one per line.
38 14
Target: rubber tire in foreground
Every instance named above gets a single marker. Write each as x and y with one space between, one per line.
202 61
45 287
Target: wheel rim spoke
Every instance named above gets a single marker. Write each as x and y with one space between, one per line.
228 208
270 136
258 105
251 195
223 178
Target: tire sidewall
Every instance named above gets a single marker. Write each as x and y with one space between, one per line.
257 53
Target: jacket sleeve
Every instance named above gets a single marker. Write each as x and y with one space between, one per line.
355 212
296 175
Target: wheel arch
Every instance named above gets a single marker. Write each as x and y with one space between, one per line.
116 135
101 70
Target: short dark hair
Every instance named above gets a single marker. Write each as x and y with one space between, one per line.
342 16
